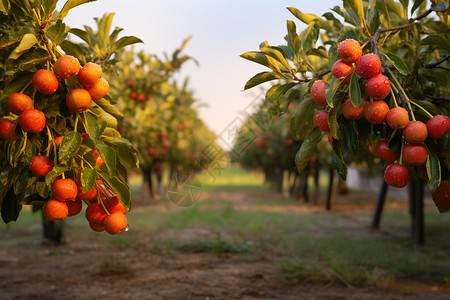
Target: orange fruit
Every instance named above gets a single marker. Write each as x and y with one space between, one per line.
55 210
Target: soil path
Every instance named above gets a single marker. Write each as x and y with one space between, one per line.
87 269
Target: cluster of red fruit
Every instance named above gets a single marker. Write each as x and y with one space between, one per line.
377 87
162 152
104 212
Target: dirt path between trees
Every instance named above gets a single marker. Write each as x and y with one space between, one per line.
89 269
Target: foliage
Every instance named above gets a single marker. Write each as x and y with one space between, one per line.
32 35
410 38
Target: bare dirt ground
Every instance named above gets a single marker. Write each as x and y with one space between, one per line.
90 270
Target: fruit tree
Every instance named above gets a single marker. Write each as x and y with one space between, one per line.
59 141
376 74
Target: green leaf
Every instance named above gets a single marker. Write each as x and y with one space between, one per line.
332 121
27 61
109 108
28 41
307 18
261 78
125 151
87 179
10 207
69 5
278 54
321 52
437 41
356 6
298 120
307 149
397 63
349 136
354 90
56 32
416 5
339 165
69 146
55 172
263 59
92 126
109 157
433 170
121 189
125 41
332 89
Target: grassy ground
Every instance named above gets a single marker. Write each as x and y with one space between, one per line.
237 215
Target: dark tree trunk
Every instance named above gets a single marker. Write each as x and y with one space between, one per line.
416 209
379 206
315 198
52 230
330 194
147 186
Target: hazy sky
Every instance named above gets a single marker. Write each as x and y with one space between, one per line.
221 31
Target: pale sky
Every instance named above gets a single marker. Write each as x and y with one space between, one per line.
221 31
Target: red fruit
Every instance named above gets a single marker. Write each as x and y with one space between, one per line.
90 196
78 100
95 213
385 153
141 97
55 210
66 66
415 132
7 128
41 165
320 120
330 139
368 65
289 142
397 118
151 153
98 159
99 90
318 92
342 69
351 112
438 126
415 154
130 82
397 175
45 81
162 135
133 95
114 204
58 140
378 86
74 207
441 196
89 75
18 102
260 142
32 120
97 226
375 112
64 189
166 145
349 50
115 223
422 171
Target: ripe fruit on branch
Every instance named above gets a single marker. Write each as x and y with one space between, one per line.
397 118
342 69
32 120
378 86
441 196
90 196
64 189
114 204
18 102
166 145
97 227
89 75
349 50
368 65
74 207
415 154
115 223
438 126
55 210
397 175
133 95
375 112
7 128
351 112
141 97
78 100
318 92
98 159
385 153
66 66
320 120
45 81
99 90
415 132
41 165
58 140
95 213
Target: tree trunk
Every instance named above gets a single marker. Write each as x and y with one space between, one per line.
315 198
52 230
330 194
147 185
379 206
416 209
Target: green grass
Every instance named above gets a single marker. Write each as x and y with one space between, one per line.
232 178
